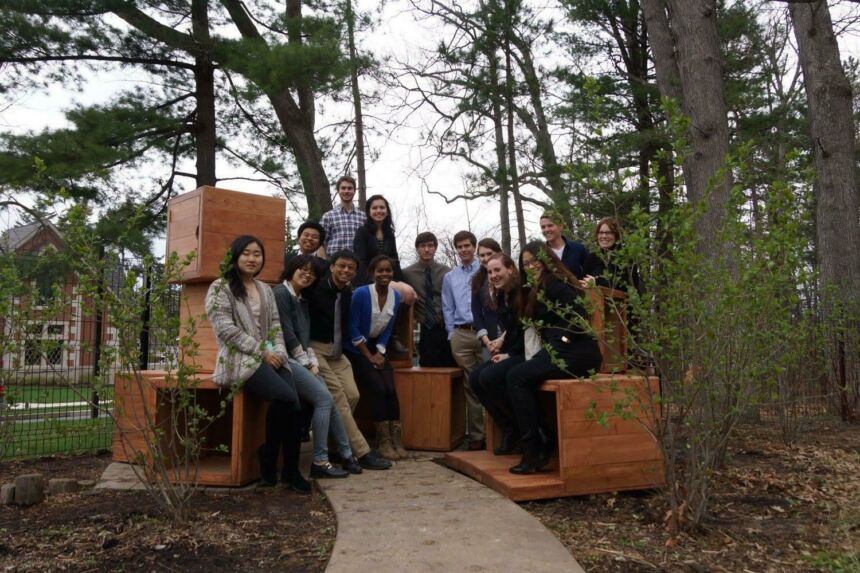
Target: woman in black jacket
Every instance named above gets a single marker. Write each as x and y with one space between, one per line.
600 268
376 237
488 379
553 302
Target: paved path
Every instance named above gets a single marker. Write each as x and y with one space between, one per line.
419 517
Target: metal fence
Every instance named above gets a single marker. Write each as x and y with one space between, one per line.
56 385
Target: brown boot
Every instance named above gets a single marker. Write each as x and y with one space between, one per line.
383 441
396 439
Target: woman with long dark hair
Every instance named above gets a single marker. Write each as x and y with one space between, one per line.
376 237
484 317
488 380
299 274
371 322
251 354
554 303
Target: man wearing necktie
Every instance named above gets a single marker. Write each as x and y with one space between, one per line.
426 277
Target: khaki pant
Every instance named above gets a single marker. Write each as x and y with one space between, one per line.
337 373
467 351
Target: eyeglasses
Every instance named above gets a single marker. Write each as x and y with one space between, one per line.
308 272
531 263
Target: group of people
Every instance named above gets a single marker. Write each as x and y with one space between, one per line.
330 321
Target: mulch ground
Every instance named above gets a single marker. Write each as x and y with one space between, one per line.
268 530
775 508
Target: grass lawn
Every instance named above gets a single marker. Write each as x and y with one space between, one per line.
44 437
53 394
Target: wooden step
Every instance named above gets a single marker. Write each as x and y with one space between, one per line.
493 471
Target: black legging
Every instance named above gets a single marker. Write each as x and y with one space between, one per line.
383 394
524 379
283 418
488 382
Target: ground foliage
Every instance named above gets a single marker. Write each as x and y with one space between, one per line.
775 508
266 530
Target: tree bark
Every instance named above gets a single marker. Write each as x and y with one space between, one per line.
356 102
502 178
828 93
513 172
205 138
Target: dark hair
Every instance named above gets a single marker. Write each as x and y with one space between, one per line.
231 272
343 178
426 237
387 224
343 254
479 277
553 268
614 226
294 263
374 262
312 225
463 236
512 294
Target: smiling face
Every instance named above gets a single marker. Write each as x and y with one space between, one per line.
383 273
343 271
303 278
466 251
346 191
498 274
551 231
309 241
378 211
606 237
531 263
484 254
250 261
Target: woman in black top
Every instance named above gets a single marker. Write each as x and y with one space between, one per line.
600 268
554 303
488 379
376 237
484 318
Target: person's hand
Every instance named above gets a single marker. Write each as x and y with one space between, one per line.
499 357
315 370
588 281
272 359
378 360
495 345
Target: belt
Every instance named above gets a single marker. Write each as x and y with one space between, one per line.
467 326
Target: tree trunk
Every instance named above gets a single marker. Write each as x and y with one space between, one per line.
513 172
356 102
828 93
204 78
502 180
697 51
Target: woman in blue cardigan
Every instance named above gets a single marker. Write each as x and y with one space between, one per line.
371 322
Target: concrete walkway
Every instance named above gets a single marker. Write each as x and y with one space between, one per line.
419 516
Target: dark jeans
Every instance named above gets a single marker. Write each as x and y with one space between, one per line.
524 380
434 350
284 416
380 383
488 382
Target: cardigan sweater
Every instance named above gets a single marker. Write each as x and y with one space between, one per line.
241 338
295 324
360 317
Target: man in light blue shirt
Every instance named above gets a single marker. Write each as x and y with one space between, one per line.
465 346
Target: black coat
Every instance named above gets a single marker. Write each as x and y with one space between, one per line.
365 247
563 337
608 274
509 321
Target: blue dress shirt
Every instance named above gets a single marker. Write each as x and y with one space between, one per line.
457 296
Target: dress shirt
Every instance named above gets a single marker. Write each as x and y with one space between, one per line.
457 296
340 226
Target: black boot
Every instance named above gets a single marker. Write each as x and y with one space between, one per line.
268 456
535 455
291 477
510 443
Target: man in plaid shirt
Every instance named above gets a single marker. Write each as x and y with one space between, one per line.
341 223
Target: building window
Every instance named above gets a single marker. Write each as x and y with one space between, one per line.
44 345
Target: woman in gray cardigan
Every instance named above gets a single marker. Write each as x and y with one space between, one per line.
251 351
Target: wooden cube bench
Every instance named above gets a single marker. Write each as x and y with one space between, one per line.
432 407
241 428
589 457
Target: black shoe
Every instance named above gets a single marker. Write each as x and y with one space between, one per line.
476 445
373 461
296 482
268 466
351 465
326 470
535 455
510 444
